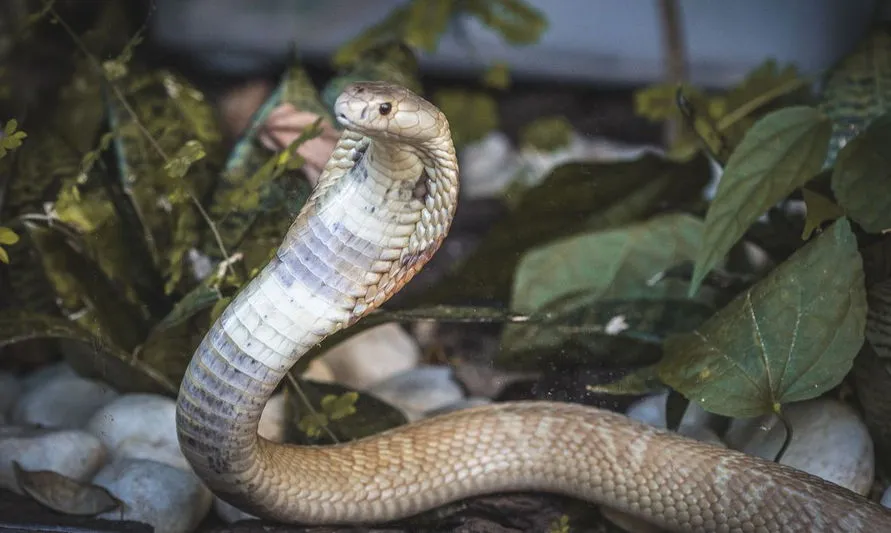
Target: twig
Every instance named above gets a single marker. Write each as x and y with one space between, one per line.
120 96
674 55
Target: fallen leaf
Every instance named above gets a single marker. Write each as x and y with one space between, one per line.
64 494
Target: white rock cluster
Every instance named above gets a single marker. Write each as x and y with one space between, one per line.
54 419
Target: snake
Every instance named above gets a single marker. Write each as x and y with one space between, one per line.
382 207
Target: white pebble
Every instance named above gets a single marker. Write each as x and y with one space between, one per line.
10 390
61 402
419 390
372 356
139 426
167 498
72 453
273 419
828 440
47 373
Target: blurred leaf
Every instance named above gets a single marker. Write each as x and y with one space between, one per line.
547 134
781 152
332 408
257 180
471 114
114 365
791 337
861 179
497 76
64 494
85 290
617 263
518 22
349 415
11 138
198 299
721 119
858 90
189 153
7 237
426 22
819 210
393 61
573 198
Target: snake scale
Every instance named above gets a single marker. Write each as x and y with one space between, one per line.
382 206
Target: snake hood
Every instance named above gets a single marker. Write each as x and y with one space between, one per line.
389 112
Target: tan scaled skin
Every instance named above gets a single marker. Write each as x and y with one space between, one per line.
382 207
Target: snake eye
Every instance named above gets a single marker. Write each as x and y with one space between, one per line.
385 108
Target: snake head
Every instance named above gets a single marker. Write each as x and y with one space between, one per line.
388 111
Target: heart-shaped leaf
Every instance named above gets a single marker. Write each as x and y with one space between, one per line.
791 337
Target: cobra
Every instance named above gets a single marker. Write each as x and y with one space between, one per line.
382 207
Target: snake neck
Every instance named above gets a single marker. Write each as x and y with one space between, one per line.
379 212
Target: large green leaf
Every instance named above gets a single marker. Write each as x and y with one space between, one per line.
861 180
617 263
780 153
575 197
791 337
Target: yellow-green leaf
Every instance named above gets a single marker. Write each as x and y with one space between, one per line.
337 407
780 153
547 134
497 76
7 236
819 210
790 337
471 114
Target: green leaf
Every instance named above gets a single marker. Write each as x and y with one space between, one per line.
861 179
780 153
497 76
610 331
338 407
518 22
7 236
791 337
112 364
819 210
471 114
426 22
617 263
346 414
573 198
547 133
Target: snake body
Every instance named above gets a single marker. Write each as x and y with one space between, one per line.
383 205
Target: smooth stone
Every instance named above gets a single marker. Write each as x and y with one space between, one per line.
694 424
10 390
73 453
372 356
273 418
420 389
319 371
886 498
62 402
464 403
48 373
151 417
140 426
829 440
169 499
